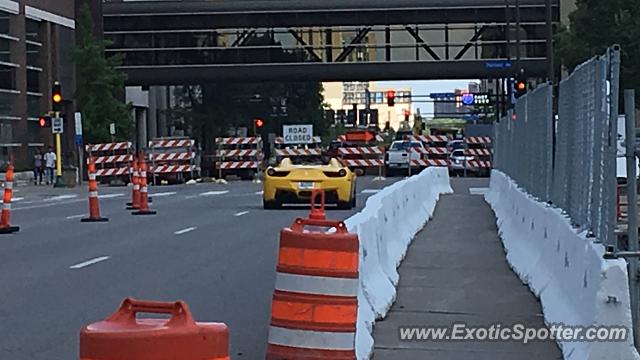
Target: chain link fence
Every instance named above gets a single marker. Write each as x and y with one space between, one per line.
576 173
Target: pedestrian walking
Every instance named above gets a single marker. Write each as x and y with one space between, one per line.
50 163
38 168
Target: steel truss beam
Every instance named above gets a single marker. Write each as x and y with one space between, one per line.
363 71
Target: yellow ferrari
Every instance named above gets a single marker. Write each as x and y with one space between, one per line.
290 182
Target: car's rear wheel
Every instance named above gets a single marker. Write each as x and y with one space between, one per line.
353 196
389 172
344 205
270 204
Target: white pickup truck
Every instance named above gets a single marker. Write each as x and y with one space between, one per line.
400 154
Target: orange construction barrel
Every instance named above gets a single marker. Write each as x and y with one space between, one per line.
124 336
315 302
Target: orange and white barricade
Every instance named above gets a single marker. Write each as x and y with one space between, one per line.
172 159
480 148
315 304
310 150
435 152
111 159
241 156
125 336
362 157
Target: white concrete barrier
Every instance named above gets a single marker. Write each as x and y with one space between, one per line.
565 269
385 227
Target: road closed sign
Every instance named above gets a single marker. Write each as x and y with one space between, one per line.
297 134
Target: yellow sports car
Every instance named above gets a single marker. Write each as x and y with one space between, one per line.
291 182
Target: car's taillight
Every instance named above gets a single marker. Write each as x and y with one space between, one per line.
335 174
273 172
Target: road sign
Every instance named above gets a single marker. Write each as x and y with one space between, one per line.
297 134
361 135
112 129
442 96
57 126
498 64
468 99
78 118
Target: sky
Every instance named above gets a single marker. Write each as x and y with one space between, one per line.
425 87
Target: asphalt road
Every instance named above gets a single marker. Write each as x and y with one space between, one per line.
211 245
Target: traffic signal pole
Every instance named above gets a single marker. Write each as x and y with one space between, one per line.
59 182
56 98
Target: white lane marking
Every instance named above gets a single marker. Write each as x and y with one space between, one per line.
209 193
75 216
109 196
478 191
168 193
61 197
180 232
259 192
17 199
370 191
89 262
241 213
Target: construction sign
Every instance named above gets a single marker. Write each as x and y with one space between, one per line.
297 134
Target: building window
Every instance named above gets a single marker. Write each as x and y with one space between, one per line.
5 50
5 23
33 30
6 133
7 77
378 97
33 55
33 105
33 81
7 99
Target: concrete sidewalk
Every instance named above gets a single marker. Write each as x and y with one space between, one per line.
455 272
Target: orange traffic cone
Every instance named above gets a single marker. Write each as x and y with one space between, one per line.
144 194
317 210
135 192
5 218
94 205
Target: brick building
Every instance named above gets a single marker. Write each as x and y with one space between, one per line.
36 43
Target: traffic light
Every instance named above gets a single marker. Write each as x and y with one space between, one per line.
56 96
406 114
391 98
44 122
258 124
521 88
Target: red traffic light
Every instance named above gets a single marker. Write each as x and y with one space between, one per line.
44 121
521 86
391 98
259 123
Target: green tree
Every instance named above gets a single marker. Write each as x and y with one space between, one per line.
98 85
596 25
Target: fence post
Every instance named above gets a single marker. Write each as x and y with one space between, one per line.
632 209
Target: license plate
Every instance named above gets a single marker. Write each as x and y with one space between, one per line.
305 185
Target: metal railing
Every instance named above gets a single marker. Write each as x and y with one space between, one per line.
576 172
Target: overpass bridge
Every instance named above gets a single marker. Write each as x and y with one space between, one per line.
178 42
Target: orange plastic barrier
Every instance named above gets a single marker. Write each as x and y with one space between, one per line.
5 218
135 188
315 303
144 190
122 336
94 203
